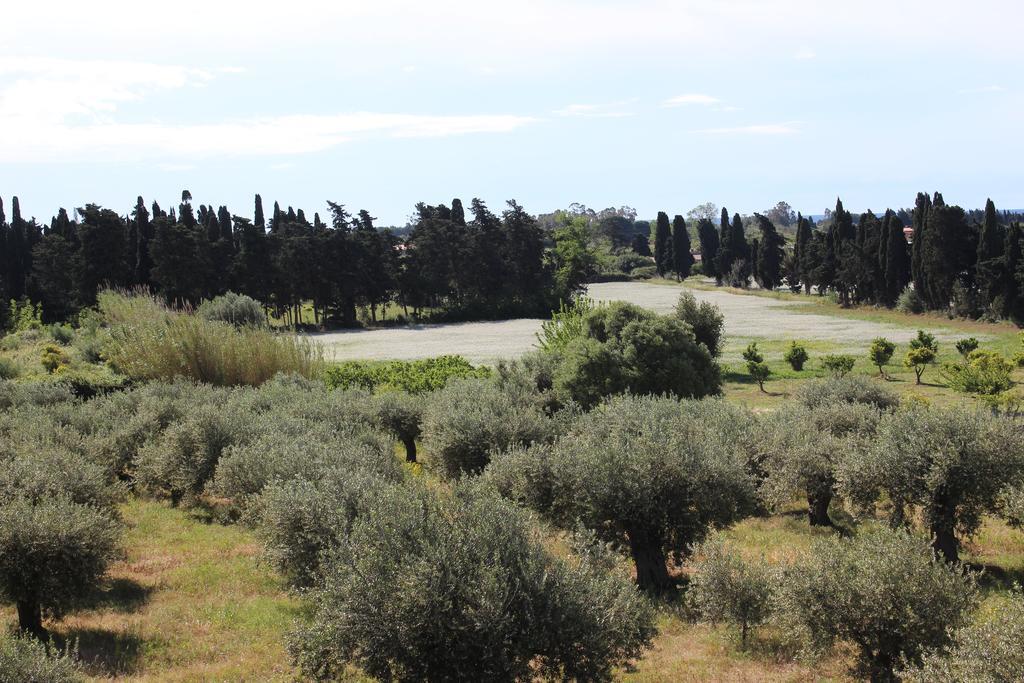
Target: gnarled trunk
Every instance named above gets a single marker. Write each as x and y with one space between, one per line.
410 449
817 507
942 525
30 618
649 558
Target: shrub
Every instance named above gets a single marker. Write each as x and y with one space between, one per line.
884 592
627 348
14 394
8 369
185 456
51 553
985 652
966 345
796 355
644 273
725 587
62 334
566 324
1011 504
26 660
847 390
950 462
755 365
302 518
656 472
705 319
802 448
880 353
53 358
837 365
471 418
23 316
439 588
983 372
414 377
923 351
236 309
910 301
149 341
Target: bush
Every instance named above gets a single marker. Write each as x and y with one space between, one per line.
796 355
26 660
13 394
725 587
414 377
8 369
910 301
966 345
884 592
705 319
645 273
983 372
656 472
985 652
627 348
149 341
470 419
880 353
236 309
62 334
755 365
439 588
51 553
950 462
847 390
837 365
53 358
23 316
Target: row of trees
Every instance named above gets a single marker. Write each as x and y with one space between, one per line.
966 261
488 264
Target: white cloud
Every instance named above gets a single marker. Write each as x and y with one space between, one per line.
982 89
758 129
56 110
596 111
692 98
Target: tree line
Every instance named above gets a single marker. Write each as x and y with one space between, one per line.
486 265
967 262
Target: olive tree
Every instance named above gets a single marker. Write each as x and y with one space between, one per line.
989 651
883 592
952 463
653 473
803 448
430 587
401 414
469 419
51 553
725 587
625 348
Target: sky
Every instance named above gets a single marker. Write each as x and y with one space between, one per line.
379 105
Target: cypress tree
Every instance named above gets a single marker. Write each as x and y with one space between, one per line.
922 205
991 243
803 240
897 259
258 219
142 263
682 259
1013 302
708 238
663 244
458 212
726 253
769 254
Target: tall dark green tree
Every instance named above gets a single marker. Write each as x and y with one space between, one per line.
769 254
663 244
708 238
682 259
103 259
726 253
742 266
897 259
922 205
142 262
1013 255
990 261
803 239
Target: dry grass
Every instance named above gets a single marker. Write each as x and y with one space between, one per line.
150 341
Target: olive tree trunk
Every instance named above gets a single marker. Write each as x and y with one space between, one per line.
30 618
817 507
942 525
410 448
651 564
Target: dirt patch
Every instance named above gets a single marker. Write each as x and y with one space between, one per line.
487 342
